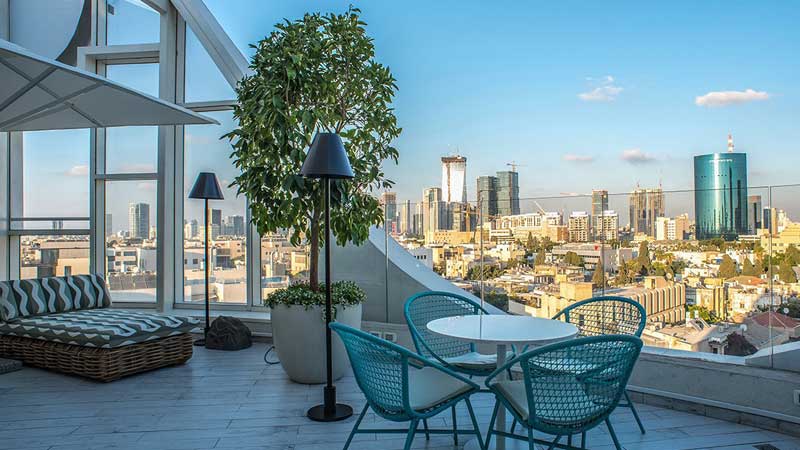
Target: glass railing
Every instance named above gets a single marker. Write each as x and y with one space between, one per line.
716 271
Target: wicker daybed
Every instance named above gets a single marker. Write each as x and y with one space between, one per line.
66 324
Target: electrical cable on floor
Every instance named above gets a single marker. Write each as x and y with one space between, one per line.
267 361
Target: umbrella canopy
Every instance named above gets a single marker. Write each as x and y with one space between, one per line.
37 93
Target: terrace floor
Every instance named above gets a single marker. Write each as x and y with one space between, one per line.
232 400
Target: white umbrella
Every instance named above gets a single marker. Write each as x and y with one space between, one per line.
37 93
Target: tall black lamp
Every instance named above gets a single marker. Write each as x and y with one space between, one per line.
327 159
207 188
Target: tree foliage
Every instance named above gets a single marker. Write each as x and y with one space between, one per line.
541 257
314 74
727 268
489 271
573 259
598 277
786 272
749 269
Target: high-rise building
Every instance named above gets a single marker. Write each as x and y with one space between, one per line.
606 226
645 206
507 193
755 213
419 219
406 224
720 194
770 216
109 225
578 226
139 220
462 217
389 204
234 226
454 179
487 196
434 211
599 201
672 229
190 229
216 218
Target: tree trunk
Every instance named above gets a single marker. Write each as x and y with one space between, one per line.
313 264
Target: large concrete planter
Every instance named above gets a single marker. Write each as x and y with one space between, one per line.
299 337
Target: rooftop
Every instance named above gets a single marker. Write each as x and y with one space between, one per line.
228 400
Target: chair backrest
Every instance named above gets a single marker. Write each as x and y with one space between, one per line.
573 385
427 306
380 369
599 316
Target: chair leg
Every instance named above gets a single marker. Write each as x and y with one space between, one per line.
513 426
474 423
635 413
412 430
553 444
425 426
355 427
455 426
569 440
491 423
613 435
583 439
531 443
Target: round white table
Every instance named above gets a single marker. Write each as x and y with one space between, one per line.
502 331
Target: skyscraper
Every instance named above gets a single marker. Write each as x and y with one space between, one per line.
109 225
599 201
406 224
139 220
507 193
434 211
216 218
720 195
755 213
606 226
645 206
389 203
454 179
578 226
487 196
234 226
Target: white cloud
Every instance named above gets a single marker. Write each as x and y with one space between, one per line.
571 157
78 171
637 156
605 90
725 98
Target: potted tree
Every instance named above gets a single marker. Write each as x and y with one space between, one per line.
314 74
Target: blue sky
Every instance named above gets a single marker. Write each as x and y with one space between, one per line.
582 94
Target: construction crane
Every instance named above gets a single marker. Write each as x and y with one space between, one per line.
514 165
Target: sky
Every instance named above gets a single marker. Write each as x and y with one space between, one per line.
581 95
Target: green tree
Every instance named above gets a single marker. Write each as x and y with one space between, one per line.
749 269
793 255
622 277
644 257
599 277
530 244
786 272
727 268
573 259
314 74
703 313
540 257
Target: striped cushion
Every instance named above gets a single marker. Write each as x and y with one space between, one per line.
98 328
8 306
59 294
88 292
21 298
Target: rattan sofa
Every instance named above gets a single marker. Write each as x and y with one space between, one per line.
66 324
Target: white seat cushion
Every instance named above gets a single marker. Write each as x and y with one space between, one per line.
562 409
429 387
473 360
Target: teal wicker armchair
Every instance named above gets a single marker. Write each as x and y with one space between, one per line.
457 355
567 388
402 386
604 315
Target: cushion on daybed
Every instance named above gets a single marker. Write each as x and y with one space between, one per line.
24 298
98 328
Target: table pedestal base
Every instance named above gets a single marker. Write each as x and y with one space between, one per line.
510 444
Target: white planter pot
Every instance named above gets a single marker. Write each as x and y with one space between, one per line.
299 337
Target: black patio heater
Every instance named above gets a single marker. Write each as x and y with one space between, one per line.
207 188
326 160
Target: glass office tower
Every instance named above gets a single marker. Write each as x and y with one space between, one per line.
720 197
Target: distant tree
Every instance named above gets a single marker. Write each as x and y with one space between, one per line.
540 257
792 306
727 268
622 277
599 277
644 258
490 271
749 269
573 259
530 245
786 272
793 255
703 313
738 345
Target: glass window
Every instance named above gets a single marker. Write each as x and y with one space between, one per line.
130 224
131 22
47 256
133 149
55 160
206 152
204 82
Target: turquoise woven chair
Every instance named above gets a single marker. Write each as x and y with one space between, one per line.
604 315
402 386
567 388
452 353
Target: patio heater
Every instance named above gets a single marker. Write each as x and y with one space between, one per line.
206 187
326 160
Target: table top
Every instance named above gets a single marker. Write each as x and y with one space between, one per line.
503 329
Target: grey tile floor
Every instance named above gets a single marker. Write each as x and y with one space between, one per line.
232 400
